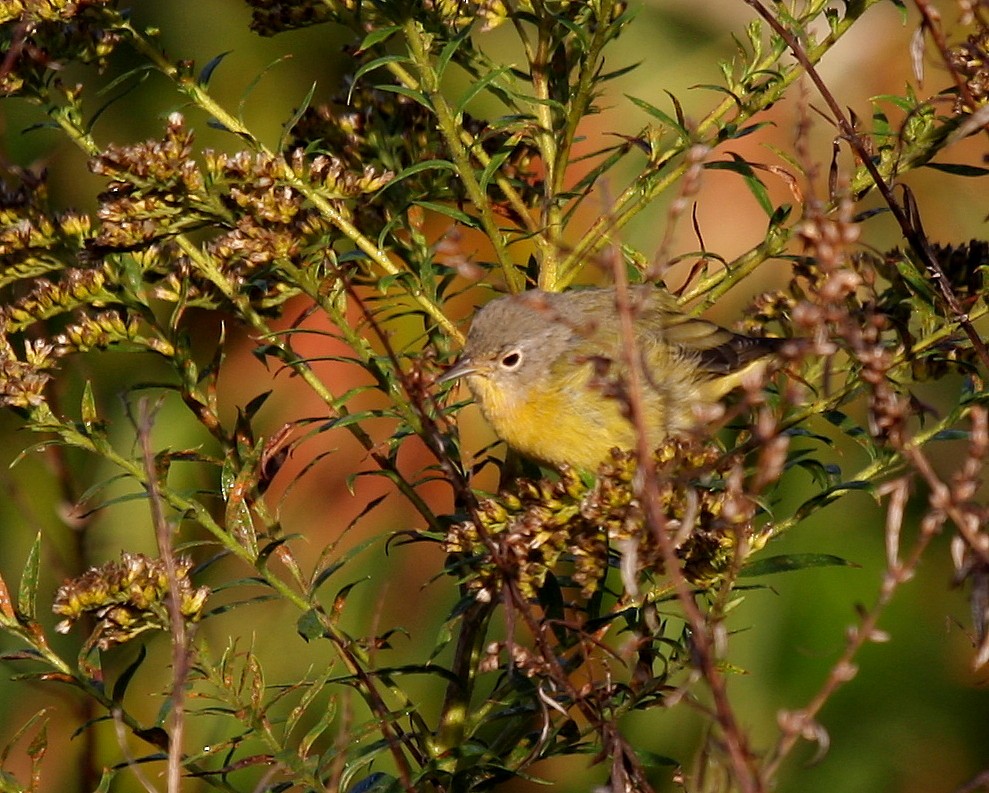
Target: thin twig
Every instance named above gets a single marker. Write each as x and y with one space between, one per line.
180 648
646 485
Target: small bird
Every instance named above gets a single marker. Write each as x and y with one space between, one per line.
547 370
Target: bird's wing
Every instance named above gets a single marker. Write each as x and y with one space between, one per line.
716 349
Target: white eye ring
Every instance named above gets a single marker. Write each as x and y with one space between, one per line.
511 359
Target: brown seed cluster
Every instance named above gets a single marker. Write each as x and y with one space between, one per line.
269 17
569 527
127 598
971 60
23 377
259 208
157 190
393 132
50 33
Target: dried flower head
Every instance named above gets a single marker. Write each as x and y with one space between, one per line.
46 35
543 524
23 380
393 132
971 60
127 598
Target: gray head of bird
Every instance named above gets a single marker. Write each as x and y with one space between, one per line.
514 340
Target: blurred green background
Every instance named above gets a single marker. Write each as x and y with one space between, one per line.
915 717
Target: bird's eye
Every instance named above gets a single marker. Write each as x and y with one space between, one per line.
511 360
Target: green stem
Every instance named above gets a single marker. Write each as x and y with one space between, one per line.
450 130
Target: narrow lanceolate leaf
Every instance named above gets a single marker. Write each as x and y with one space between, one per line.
795 561
753 182
450 212
88 408
415 96
377 63
427 165
206 73
28 594
7 616
296 117
477 87
377 37
120 687
665 119
958 169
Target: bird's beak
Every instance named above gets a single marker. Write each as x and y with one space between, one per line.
463 366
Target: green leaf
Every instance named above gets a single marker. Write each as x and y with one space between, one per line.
426 165
653 760
251 408
377 36
207 71
310 626
951 435
370 66
957 169
376 782
324 723
787 562
296 116
494 164
477 87
42 716
105 780
144 73
446 55
88 407
28 593
844 423
753 182
663 118
255 81
450 212
340 599
416 96
120 687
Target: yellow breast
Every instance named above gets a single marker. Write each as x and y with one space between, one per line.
571 422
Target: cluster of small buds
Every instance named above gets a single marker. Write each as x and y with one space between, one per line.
701 498
154 163
524 660
52 33
73 289
35 242
532 528
334 176
158 189
102 330
32 235
543 523
765 309
152 186
22 382
269 17
971 61
127 598
368 126
456 14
